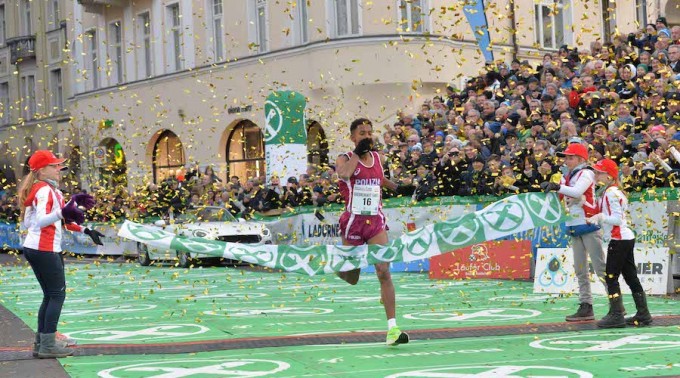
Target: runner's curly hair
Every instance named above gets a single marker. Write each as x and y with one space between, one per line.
359 121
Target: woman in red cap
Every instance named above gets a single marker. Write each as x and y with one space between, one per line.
613 207
43 212
577 189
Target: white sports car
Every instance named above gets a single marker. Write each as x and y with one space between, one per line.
209 222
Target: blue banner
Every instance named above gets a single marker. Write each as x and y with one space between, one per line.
474 11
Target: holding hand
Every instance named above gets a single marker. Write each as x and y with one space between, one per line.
72 214
548 187
83 200
364 146
94 235
595 219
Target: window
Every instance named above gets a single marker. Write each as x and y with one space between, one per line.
57 91
53 20
28 96
552 18
217 30
412 16
93 64
261 25
26 22
4 102
115 53
245 151
174 62
144 62
641 12
2 24
168 156
301 22
346 17
608 19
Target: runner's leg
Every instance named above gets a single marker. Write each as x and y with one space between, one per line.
382 270
350 276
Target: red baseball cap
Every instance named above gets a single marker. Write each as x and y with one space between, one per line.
607 166
576 149
43 158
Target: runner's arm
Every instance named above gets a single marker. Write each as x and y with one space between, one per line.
346 165
389 184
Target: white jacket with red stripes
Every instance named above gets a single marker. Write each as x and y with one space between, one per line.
578 191
43 219
614 207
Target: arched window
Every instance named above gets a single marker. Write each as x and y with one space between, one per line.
317 145
245 151
168 156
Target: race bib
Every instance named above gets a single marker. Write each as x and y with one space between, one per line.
365 199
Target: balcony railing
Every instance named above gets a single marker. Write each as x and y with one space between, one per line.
98 6
21 48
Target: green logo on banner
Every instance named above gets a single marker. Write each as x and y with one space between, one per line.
145 233
504 216
546 207
273 121
284 113
458 232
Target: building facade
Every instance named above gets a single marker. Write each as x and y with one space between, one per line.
156 85
34 85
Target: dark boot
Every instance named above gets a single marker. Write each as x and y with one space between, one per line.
642 317
50 349
36 344
584 312
614 318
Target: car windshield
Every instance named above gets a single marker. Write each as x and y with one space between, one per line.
207 214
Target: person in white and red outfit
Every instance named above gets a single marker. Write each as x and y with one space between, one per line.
613 207
44 217
577 188
363 222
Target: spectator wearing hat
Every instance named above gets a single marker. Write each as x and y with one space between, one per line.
547 103
612 217
644 39
44 216
429 154
662 27
448 172
577 189
476 181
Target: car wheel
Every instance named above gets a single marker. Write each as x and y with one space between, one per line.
143 255
184 259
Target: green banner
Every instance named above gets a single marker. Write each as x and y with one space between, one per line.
285 135
506 217
285 118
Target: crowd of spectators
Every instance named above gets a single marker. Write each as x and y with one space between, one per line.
497 135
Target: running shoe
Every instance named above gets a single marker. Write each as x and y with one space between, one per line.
396 337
